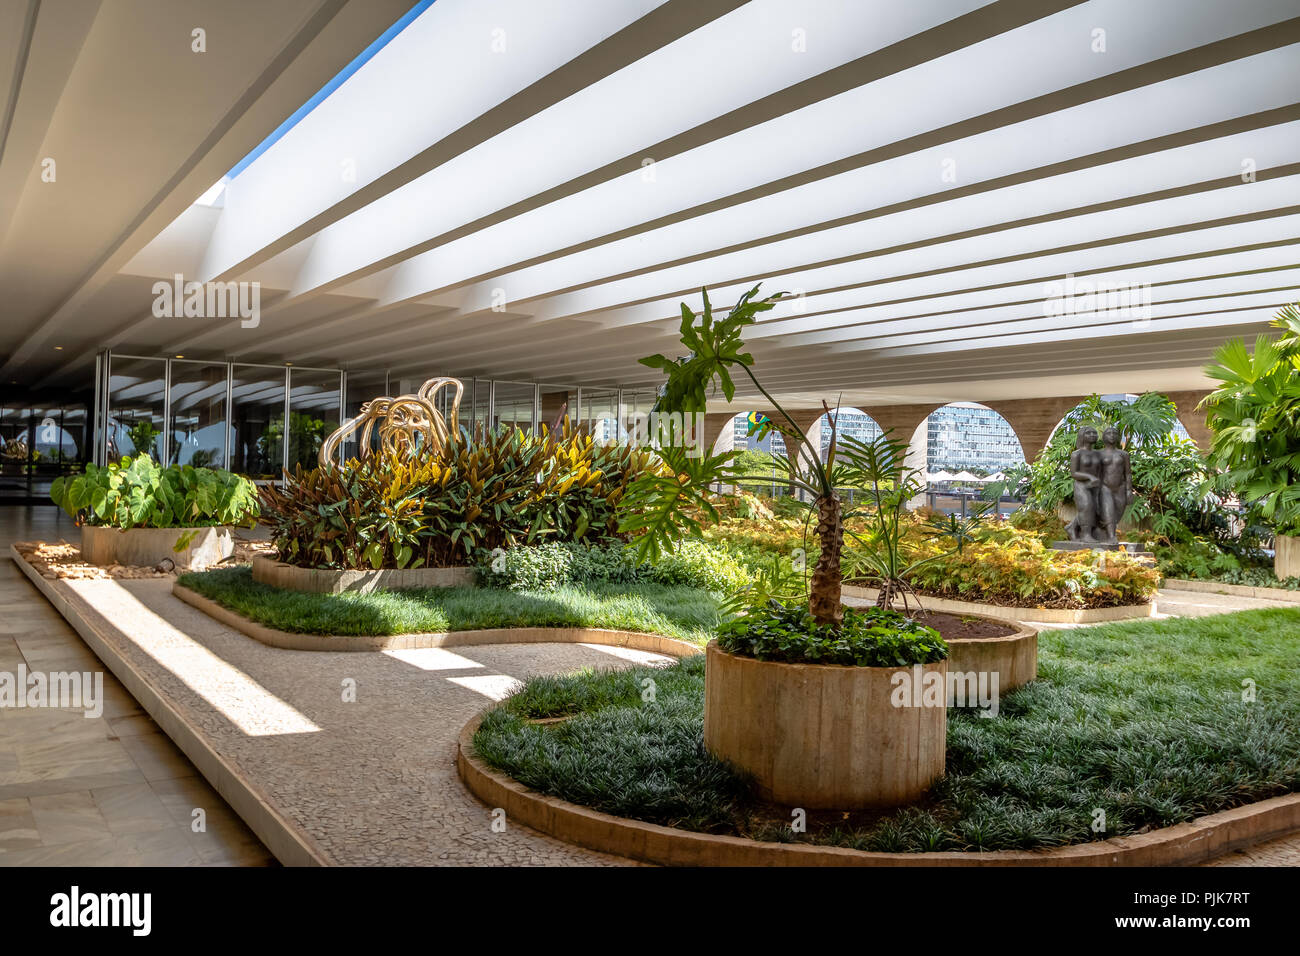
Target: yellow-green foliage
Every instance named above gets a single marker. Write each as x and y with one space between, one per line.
1007 564
1010 566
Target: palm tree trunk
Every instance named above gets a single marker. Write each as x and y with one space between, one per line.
824 590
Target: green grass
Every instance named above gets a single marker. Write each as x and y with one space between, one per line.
680 612
1144 720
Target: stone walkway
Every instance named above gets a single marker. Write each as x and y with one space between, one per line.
357 750
107 791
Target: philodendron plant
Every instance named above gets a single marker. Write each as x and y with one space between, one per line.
1255 417
663 507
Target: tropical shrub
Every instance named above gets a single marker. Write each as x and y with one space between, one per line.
1255 417
442 508
143 436
665 508
137 493
866 637
1015 569
545 567
1203 559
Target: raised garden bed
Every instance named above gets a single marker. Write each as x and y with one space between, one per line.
269 571
1143 720
147 547
1037 615
680 612
1236 590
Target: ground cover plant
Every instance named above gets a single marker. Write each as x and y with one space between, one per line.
686 613
1152 722
137 492
545 567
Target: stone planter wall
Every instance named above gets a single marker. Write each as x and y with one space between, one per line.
319 581
816 735
146 547
1014 658
1037 615
1286 556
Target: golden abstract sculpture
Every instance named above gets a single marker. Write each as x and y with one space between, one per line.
401 421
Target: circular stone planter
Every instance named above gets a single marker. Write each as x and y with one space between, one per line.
1013 657
321 581
1286 556
146 547
827 736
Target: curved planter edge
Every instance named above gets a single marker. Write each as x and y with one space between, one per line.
1236 590
1179 845
277 574
1034 615
287 640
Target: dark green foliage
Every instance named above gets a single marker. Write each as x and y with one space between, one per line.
618 754
680 612
868 637
544 567
137 493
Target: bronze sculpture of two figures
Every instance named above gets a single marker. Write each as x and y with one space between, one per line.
1103 486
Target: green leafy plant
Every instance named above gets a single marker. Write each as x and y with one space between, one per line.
545 567
137 493
143 436
443 508
884 560
664 508
1255 417
869 637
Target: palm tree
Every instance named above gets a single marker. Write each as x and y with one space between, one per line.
661 506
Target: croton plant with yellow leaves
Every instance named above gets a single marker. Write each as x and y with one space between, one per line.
446 507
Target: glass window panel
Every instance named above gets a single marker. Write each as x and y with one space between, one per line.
556 402
258 426
15 450
598 408
478 399
514 405
313 413
362 387
199 426
136 399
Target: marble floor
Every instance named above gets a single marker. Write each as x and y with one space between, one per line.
87 791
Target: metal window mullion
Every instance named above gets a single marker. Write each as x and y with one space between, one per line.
95 433
284 434
167 413
228 463
343 406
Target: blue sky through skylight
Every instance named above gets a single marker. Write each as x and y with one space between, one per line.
331 86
